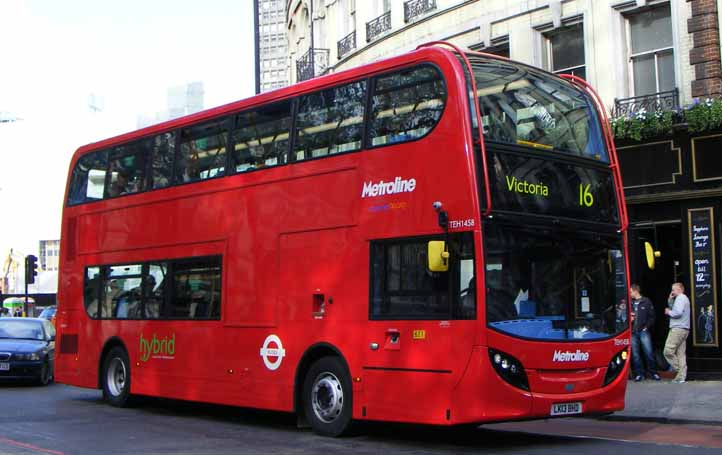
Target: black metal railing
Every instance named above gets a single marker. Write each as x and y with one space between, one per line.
378 26
347 44
311 64
415 8
656 102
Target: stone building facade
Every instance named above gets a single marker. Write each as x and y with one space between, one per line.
348 33
656 65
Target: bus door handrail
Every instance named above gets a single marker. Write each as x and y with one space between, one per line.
462 55
614 160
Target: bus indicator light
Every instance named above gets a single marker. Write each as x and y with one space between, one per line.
419 334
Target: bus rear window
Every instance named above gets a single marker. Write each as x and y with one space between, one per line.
523 106
88 180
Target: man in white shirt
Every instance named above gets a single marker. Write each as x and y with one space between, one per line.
675 348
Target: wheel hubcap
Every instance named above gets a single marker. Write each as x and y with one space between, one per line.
327 397
116 377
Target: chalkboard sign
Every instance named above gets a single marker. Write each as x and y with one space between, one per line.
704 282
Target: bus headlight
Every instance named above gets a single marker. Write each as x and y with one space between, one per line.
509 368
616 365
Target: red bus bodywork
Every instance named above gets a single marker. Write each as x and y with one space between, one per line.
290 234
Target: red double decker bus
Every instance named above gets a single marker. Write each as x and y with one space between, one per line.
439 238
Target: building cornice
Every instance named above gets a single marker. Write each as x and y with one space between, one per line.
566 21
673 196
630 5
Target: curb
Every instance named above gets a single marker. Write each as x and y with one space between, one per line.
662 420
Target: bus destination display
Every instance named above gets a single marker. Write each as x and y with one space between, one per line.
545 187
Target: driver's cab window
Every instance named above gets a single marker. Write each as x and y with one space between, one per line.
403 287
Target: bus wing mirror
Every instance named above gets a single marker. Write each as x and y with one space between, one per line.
438 256
651 255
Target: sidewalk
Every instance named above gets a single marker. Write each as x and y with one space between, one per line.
691 402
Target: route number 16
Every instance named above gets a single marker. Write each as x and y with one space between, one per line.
585 196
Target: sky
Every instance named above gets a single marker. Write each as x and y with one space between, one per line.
55 54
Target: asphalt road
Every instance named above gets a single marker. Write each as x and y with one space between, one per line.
61 420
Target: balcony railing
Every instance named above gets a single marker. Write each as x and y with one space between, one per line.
347 44
416 8
378 26
656 102
313 63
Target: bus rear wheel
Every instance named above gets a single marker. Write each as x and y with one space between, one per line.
327 399
115 377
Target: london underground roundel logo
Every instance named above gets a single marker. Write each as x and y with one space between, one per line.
272 348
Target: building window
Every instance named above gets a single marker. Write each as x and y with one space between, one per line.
651 50
564 51
498 46
501 50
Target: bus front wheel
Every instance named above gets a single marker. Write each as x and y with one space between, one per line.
327 399
116 377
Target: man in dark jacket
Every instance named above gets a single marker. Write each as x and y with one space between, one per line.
643 322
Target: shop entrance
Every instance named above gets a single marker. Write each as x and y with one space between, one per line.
665 237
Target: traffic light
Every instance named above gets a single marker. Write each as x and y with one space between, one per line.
31 268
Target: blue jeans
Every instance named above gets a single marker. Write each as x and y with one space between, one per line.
645 340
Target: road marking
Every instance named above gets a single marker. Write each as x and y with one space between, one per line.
23 445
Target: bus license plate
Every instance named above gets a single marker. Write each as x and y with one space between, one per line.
561 409
4 366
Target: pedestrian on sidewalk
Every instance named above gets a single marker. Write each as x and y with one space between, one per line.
642 325
676 346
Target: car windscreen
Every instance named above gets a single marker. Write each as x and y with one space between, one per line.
20 329
547 284
47 313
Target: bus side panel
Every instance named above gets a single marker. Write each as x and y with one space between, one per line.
308 225
323 288
74 363
412 396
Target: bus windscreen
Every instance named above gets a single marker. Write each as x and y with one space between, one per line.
522 106
544 284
